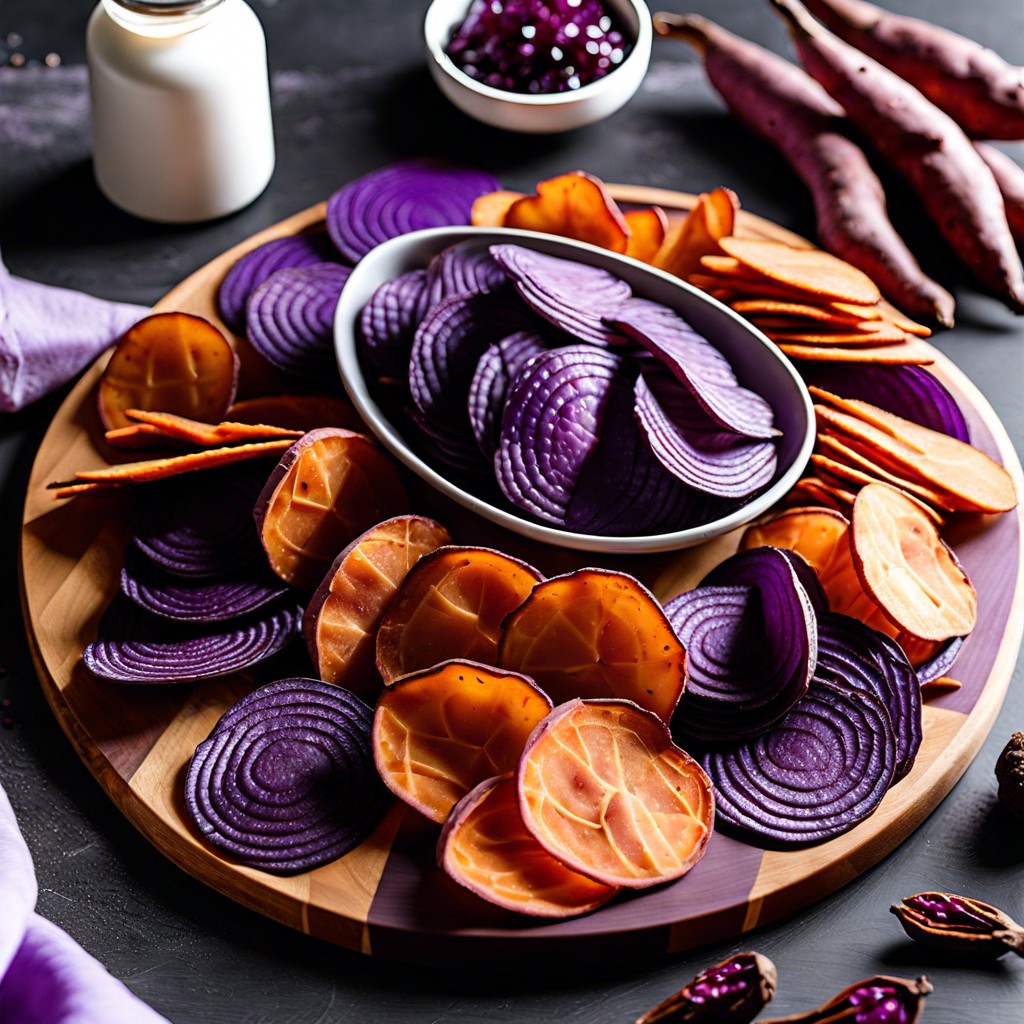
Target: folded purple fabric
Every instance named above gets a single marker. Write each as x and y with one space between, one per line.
45 976
48 335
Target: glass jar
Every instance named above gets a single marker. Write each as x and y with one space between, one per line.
181 120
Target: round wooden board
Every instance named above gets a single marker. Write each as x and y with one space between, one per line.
387 898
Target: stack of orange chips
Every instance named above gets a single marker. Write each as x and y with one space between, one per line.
813 305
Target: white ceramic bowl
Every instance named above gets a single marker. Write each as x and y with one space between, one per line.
756 361
556 112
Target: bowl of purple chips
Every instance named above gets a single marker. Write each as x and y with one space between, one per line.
538 65
572 395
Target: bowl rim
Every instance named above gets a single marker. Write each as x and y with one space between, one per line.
432 240
642 46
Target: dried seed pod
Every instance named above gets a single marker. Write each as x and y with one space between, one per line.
875 1000
1010 774
733 991
959 924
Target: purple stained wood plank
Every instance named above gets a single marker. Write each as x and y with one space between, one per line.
419 915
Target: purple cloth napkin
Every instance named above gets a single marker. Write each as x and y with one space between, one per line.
45 976
48 335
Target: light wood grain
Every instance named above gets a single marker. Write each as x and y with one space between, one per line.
137 744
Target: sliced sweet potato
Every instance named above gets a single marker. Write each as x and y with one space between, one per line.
340 622
298 412
329 486
440 732
173 362
596 633
451 605
811 270
575 205
647 229
161 469
485 846
905 353
489 209
172 427
814 492
906 568
712 217
604 789
972 481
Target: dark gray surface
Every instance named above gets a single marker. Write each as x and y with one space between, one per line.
351 93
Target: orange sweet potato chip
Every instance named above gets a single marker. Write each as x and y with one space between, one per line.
905 567
486 847
647 228
811 270
574 205
697 235
603 788
596 633
906 353
489 210
439 732
972 480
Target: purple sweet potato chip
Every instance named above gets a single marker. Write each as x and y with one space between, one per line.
286 780
252 269
403 197
201 525
551 424
575 297
495 370
448 344
134 646
290 319
197 600
459 269
693 447
389 319
698 365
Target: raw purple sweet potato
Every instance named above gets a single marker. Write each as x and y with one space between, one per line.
460 270
285 782
389 319
329 487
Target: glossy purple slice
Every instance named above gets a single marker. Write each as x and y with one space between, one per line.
389 319
460 269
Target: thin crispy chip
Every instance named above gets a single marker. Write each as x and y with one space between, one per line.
489 209
907 353
798 310
882 335
647 230
712 217
574 205
183 428
810 269
159 469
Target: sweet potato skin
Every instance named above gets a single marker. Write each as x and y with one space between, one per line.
981 91
922 143
1009 177
780 102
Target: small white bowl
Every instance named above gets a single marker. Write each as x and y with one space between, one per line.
553 112
757 362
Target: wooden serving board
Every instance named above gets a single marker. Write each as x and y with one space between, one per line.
387 898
